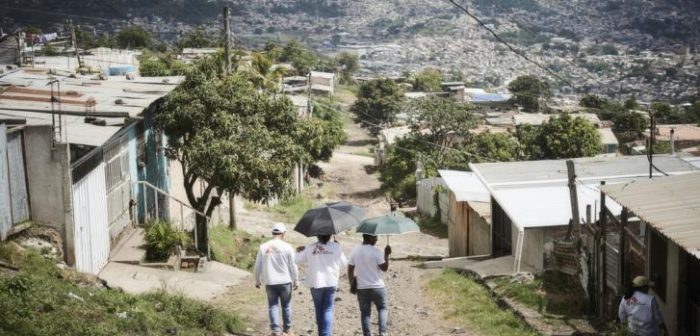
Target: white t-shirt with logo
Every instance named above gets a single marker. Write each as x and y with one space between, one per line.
366 259
274 264
325 262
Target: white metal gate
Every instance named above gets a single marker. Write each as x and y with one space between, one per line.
90 221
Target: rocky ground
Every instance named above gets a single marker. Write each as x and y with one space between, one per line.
411 311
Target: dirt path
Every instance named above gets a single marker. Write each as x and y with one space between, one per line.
348 175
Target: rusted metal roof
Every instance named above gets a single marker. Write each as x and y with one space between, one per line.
669 204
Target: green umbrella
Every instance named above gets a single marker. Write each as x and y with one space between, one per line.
388 225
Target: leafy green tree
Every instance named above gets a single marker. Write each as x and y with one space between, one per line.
49 50
398 173
197 38
428 80
236 139
528 142
134 37
272 51
665 113
565 137
631 103
85 39
629 126
378 103
263 75
440 138
302 60
495 147
692 114
349 64
529 91
447 122
593 101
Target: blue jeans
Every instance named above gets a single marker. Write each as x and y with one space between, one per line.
324 302
366 297
275 294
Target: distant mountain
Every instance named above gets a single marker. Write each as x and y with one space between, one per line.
648 23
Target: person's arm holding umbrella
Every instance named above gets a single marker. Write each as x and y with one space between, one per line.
387 252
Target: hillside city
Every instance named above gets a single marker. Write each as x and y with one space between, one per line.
276 167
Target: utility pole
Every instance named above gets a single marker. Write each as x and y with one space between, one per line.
573 195
74 43
227 40
650 149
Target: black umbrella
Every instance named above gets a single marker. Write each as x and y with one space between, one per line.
330 219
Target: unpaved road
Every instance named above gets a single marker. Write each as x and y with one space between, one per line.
410 311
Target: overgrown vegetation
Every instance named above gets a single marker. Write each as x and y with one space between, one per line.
291 209
234 247
432 226
467 302
43 300
550 293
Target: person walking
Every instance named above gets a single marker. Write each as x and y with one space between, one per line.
640 310
325 259
275 267
365 274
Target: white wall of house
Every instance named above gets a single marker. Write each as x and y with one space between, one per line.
92 243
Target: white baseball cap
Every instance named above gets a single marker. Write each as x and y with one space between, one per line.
279 228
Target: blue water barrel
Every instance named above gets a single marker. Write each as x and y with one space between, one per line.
121 70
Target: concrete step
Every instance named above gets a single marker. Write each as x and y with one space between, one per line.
132 248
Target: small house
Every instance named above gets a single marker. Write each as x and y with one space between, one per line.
469 214
530 200
660 238
322 82
93 161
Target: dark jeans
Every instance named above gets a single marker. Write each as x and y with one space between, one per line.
324 302
275 295
377 296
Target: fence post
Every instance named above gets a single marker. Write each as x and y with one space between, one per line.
182 217
156 193
145 202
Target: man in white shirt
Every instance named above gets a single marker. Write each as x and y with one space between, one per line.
365 274
640 310
325 260
275 267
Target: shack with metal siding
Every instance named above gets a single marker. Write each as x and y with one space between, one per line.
668 237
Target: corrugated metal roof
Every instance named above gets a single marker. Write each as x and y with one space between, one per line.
591 169
465 185
548 206
669 204
27 97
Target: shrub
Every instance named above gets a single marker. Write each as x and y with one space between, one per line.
162 239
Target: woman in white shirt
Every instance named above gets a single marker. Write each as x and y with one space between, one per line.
325 260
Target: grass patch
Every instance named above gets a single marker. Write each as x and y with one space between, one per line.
549 293
469 303
44 300
347 94
234 247
291 209
432 226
